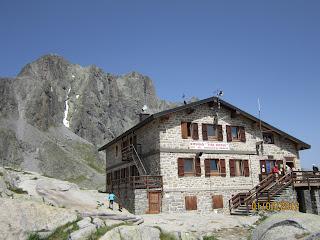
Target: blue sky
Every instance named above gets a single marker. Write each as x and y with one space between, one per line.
250 49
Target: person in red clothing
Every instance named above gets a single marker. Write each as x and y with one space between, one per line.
275 171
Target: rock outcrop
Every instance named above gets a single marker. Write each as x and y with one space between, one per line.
55 114
288 225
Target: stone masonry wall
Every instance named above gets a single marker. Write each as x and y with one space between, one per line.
172 147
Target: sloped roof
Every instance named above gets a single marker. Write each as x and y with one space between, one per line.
302 144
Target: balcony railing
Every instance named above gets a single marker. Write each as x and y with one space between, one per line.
138 182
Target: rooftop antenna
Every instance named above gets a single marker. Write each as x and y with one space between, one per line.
219 95
260 127
145 107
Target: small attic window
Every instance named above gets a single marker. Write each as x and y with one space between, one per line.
268 138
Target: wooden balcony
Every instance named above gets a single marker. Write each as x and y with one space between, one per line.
138 182
306 179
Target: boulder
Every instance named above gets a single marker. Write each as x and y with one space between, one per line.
287 225
112 222
84 222
132 233
18 218
83 233
98 222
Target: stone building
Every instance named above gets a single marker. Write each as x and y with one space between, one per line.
195 157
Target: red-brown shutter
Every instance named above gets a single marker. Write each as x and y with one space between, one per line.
222 164
204 132
242 134
198 167
217 201
229 135
180 167
232 168
184 130
220 135
195 134
207 167
246 168
191 202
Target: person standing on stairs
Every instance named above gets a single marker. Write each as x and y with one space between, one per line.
275 172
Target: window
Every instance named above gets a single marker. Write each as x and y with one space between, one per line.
239 168
189 167
215 167
235 133
268 138
212 132
189 130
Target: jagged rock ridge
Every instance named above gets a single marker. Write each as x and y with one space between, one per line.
55 114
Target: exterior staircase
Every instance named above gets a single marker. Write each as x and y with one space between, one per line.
268 190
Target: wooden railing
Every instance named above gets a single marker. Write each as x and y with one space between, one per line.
138 182
305 179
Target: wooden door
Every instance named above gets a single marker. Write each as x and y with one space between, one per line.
154 202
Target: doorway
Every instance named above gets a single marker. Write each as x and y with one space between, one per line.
154 202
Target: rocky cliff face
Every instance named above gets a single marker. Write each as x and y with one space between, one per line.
54 115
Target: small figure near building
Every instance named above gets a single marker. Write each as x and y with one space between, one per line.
111 198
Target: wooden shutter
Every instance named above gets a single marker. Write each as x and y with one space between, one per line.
180 167
207 167
198 167
184 130
195 134
191 202
242 134
246 168
204 132
229 135
220 135
232 168
217 201
222 164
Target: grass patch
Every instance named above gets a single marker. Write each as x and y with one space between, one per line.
300 236
165 235
77 180
88 154
63 232
210 237
17 190
33 236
